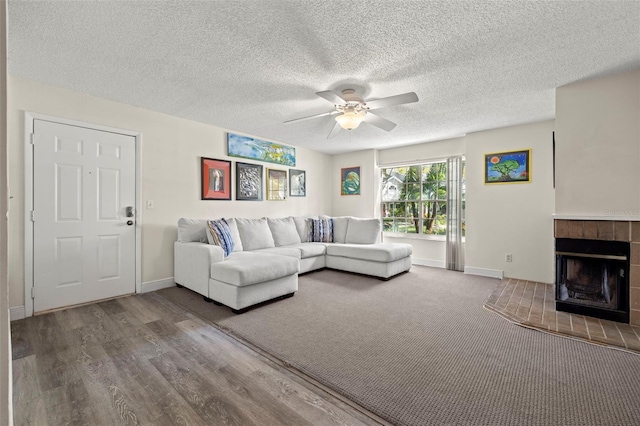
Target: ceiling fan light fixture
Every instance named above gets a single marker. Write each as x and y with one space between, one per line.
350 120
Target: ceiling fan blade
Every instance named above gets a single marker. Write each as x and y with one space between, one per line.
334 131
405 98
312 116
331 97
380 122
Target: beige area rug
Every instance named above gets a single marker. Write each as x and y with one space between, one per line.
421 350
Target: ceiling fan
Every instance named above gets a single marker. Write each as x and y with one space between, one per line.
351 110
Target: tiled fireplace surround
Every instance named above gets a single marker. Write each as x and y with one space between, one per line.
610 230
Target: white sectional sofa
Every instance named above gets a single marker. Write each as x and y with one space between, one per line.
268 254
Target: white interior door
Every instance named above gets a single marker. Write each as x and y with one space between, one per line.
83 192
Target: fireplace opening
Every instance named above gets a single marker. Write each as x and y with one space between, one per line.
592 278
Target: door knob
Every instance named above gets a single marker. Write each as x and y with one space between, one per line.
129 222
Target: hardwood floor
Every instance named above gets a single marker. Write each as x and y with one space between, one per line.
142 360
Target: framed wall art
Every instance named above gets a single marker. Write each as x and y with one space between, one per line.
215 179
248 182
508 167
276 184
350 181
256 149
297 183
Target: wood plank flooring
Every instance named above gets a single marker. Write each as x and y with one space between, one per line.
142 360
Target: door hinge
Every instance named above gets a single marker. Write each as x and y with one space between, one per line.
33 138
33 216
33 292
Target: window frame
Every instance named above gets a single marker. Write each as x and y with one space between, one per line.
422 202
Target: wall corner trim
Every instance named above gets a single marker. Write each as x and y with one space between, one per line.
428 262
483 272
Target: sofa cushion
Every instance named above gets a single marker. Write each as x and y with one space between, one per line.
247 268
310 249
284 231
282 251
233 226
320 230
302 226
221 235
363 231
340 225
192 230
255 234
384 252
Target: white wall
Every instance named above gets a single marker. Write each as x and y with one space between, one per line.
511 218
6 417
171 151
365 204
598 146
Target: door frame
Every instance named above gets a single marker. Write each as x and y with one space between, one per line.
29 118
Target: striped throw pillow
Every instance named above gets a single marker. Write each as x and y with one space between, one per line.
221 235
320 230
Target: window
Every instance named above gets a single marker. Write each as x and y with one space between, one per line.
414 199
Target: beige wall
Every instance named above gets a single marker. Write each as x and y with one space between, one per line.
598 147
5 338
171 148
365 204
511 218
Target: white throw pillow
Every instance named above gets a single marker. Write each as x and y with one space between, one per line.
233 226
284 231
340 225
363 231
192 230
302 226
255 234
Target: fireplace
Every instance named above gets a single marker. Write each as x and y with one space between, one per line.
592 278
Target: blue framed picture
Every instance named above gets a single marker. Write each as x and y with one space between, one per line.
256 149
508 167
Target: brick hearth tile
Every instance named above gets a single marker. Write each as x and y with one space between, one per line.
622 231
634 317
634 300
635 231
576 229
635 253
612 333
562 228
578 324
628 335
514 302
503 300
549 319
634 276
595 328
591 230
564 320
605 230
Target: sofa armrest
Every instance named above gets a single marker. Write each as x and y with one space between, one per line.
192 264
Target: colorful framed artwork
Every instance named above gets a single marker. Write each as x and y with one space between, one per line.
248 182
350 181
508 167
256 149
215 179
276 184
297 183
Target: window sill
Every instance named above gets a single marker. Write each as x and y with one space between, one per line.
423 237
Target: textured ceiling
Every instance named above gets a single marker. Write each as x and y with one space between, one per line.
248 66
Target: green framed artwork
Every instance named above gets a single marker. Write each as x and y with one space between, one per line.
508 167
350 181
256 149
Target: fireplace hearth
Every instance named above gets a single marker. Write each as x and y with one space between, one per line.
592 278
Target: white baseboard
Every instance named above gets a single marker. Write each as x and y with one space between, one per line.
428 262
483 272
17 313
157 284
